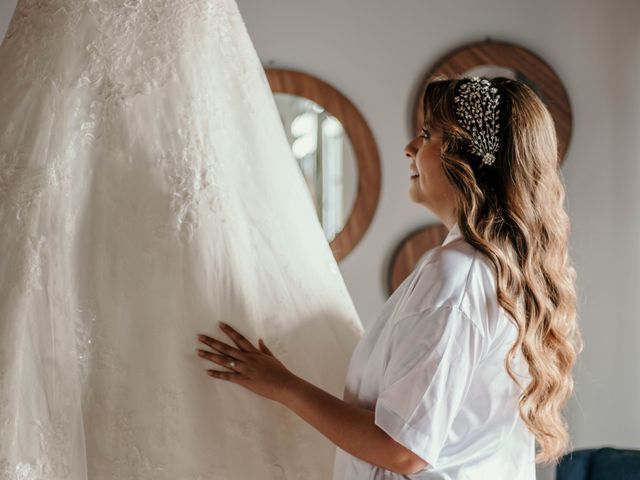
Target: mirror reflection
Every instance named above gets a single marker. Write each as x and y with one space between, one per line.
326 158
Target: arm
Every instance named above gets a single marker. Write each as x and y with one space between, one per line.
349 427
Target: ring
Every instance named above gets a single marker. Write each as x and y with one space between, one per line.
232 363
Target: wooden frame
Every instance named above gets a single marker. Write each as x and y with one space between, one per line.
410 250
364 146
519 59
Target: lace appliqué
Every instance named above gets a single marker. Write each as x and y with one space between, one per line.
190 174
53 442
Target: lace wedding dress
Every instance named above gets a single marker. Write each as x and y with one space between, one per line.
147 191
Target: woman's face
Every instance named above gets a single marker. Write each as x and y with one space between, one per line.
429 185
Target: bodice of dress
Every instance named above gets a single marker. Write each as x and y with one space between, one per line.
128 47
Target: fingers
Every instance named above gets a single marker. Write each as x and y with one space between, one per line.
265 349
229 376
238 339
221 347
220 359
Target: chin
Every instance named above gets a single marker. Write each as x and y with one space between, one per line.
415 194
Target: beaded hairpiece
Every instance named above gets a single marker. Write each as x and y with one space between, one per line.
477 112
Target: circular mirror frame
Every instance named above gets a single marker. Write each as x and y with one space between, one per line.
362 140
518 58
410 251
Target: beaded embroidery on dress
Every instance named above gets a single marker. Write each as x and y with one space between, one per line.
147 190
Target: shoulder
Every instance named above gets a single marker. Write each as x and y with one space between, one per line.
455 276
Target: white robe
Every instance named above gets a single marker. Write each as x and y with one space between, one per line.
432 368
147 191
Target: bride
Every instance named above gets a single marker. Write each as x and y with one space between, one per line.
147 191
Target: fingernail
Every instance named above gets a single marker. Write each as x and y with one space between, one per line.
201 337
222 324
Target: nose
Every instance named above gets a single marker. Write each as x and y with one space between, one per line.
410 150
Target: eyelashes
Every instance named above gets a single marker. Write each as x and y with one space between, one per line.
425 133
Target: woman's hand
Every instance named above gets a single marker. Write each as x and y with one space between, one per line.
255 369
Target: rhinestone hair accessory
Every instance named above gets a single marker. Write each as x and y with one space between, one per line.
477 112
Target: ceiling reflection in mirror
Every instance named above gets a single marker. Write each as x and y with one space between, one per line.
326 158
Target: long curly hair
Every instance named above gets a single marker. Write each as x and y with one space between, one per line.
513 212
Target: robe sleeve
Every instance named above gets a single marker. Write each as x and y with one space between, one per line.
431 359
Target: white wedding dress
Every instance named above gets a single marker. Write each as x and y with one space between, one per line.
147 191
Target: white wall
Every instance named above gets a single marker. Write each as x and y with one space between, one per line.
6 10
376 52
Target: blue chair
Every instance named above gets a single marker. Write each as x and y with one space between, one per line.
599 464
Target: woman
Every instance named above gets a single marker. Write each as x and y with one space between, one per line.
470 360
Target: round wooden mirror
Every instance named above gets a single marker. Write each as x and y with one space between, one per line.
336 152
492 59
410 250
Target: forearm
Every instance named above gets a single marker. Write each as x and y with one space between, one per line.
349 427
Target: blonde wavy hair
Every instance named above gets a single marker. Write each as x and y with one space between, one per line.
513 212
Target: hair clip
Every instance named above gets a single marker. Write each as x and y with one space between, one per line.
477 112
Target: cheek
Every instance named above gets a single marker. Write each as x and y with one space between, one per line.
432 178
429 163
